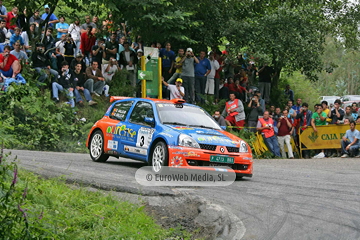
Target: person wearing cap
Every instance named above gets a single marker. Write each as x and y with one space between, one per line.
176 91
52 19
79 58
41 62
188 74
202 70
140 53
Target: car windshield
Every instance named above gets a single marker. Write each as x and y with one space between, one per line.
178 114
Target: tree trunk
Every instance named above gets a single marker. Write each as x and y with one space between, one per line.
275 79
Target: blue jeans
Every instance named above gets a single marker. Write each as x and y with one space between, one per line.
78 97
200 84
57 87
97 87
43 74
273 145
353 150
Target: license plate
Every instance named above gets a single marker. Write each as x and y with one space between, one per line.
222 159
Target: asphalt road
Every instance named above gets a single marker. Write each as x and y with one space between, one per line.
285 199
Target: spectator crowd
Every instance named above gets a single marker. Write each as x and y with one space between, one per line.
71 58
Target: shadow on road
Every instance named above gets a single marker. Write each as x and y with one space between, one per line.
133 164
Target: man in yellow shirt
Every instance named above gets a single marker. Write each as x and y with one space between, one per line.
178 66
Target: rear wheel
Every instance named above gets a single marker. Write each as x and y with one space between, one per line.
97 147
159 157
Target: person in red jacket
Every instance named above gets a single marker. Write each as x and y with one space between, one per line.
87 40
265 125
10 16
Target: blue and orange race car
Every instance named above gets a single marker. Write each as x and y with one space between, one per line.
167 133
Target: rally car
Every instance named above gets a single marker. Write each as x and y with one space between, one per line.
167 133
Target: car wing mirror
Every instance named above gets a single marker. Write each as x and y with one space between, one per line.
149 120
223 127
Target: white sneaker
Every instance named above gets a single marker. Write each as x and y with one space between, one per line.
320 155
345 155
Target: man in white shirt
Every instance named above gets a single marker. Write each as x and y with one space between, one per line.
176 91
210 82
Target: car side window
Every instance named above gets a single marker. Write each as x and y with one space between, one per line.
120 110
142 110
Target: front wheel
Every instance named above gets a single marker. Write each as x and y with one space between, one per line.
159 157
97 147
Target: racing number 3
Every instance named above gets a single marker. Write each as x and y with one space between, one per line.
144 137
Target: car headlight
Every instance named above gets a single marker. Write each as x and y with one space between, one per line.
187 141
243 147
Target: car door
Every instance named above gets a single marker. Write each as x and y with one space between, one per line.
114 125
141 121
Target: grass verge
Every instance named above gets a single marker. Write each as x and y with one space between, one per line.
35 208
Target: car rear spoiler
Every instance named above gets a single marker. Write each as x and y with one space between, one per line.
115 98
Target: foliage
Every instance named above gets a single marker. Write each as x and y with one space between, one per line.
34 208
120 86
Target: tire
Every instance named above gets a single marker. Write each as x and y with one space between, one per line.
159 157
96 147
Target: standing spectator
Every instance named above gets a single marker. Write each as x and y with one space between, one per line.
289 93
285 129
41 63
3 12
255 112
350 142
218 72
20 55
348 114
318 119
305 120
266 126
84 27
60 51
223 90
36 19
210 82
10 23
178 66
98 51
265 75
220 119
49 43
336 114
261 100
96 22
188 74
202 70
95 81
65 83
297 106
168 59
87 41
354 111
176 91
111 48
79 79
52 19
234 112
61 27
128 60
79 58
75 33
69 46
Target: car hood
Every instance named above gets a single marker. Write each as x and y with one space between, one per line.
207 136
